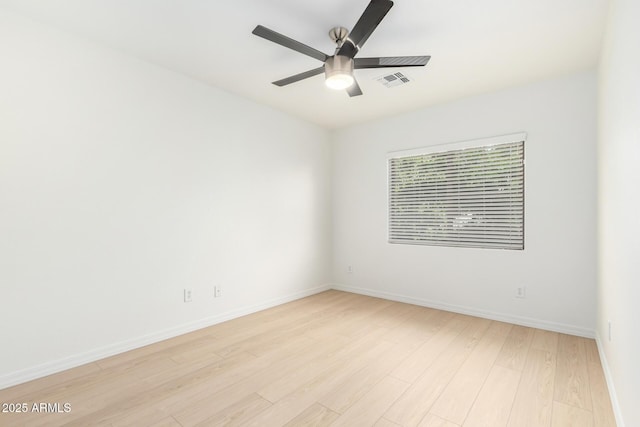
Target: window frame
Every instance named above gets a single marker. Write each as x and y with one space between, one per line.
520 137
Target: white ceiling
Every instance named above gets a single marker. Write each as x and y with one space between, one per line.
476 46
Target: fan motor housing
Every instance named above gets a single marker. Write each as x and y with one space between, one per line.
338 70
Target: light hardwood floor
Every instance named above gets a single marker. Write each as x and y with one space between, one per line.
335 359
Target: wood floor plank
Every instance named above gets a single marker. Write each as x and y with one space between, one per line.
352 388
420 325
602 409
223 371
234 415
86 400
359 322
317 305
69 385
258 345
431 420
545 341
225 389
368 347
383 422
167 422
457 398
39 387
394 314
315 415
570 416
205 350
232 336
572 378
591 349
372 405
291 405
415 365
144 417
493 405
533 402
182 390
416 402
196 408
280 329
515 348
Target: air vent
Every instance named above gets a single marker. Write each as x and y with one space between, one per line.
395 79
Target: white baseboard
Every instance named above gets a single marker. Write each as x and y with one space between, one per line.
518 320
609 378
60 365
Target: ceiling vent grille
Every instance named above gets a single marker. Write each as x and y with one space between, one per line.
395 79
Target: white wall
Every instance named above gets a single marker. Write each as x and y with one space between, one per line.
619 204
558 265
122 183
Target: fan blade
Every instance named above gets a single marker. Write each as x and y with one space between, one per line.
391 61
299 77
285 41
354 89
371 17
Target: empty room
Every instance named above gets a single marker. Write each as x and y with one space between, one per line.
337 213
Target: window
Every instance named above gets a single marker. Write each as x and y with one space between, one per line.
471 195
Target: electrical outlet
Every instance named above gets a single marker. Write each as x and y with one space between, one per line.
521 292
187 295
349 269
217 291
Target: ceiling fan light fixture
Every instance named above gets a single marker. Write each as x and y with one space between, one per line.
339 81
339 68
338 71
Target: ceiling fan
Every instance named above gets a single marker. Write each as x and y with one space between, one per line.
338 68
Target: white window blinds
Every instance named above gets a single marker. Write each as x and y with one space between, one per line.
471 197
